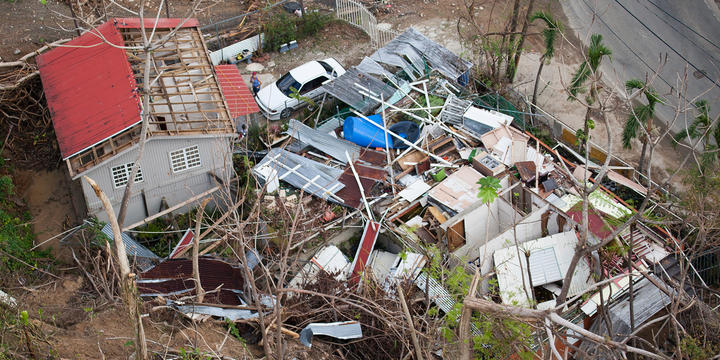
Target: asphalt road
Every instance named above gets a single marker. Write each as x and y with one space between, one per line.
639 32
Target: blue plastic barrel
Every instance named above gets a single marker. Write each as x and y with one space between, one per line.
361 132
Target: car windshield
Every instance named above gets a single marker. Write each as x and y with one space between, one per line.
286 82
327 67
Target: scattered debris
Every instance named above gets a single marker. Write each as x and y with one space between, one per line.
343 330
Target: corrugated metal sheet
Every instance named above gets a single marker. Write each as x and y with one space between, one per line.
511 270
143 257
544 267
90 89
324 178
344 89
343 330
322 141
162 23
438 57
237 95
370 66
231 314
648 301
174 277
436 292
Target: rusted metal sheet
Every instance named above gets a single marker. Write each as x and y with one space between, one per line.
173 277
350 193
367 244
370 172
376 158
526 169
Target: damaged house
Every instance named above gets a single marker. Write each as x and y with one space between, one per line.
93 85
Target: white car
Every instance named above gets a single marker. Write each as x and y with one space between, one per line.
275 100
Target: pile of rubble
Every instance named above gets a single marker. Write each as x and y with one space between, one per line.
406 156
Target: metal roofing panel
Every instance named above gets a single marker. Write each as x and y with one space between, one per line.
343 330
230 314
344 88
509 267
315 178
544 267
144 258
237 94
437 56
90 89
324 142
370 66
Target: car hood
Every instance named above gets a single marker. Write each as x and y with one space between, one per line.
271 97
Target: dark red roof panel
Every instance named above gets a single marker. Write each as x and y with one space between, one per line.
237 95
596 225
162 23
90 89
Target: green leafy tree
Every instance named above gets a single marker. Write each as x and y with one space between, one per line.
700 128
487 192
589 70
640 115
552 27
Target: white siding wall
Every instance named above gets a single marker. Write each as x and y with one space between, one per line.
159 180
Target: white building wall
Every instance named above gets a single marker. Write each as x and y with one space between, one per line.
159 179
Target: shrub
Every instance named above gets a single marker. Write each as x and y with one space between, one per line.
280 29
311 23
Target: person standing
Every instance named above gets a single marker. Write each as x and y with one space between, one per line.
255 83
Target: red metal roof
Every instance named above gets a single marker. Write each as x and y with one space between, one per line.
596 225
90 89
237 95
162 23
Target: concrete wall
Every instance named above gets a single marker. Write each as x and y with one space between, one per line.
158 179
229 53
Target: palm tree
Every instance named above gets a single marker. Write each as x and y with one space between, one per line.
552 27
589 69
640 115
701 128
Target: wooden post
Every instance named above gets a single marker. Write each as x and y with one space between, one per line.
196 248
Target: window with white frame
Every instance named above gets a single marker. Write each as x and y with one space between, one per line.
121 174
184 159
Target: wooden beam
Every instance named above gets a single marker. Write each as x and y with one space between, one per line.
173 208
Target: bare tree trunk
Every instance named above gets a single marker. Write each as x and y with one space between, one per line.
199 291
145 120
521 42
408 318
537 84
641 163
127 280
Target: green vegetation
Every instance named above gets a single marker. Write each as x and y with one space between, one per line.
498 338
589 70
16 236
282 28
640 114
701 128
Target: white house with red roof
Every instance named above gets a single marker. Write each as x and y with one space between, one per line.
93 86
